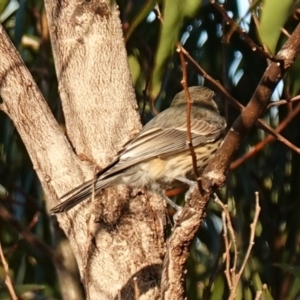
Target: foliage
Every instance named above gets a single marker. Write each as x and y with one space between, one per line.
151 44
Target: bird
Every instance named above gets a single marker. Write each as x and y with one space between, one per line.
159 154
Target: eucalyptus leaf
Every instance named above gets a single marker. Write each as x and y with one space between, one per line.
174 12
273 17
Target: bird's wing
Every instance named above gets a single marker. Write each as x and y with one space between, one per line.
157 142
162 142
150 143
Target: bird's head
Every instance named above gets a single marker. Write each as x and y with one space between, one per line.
200 95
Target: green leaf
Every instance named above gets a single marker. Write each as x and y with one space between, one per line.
25 290
135 68
7 8
143 13
273 17
173 14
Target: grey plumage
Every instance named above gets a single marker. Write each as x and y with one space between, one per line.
159 154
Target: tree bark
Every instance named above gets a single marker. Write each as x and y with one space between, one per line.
118 240
214 174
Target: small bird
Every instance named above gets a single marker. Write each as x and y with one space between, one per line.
160 154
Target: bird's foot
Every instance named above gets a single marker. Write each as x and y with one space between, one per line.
171 203
192 184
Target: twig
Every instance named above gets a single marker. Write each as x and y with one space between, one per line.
34 220
270 138
137 292
253 225
243 34
188 112
189 102
231 275
226 255
281 102
256 22
27 235
228 226
232 100
237 105
258 295
182 236
7 280
285 32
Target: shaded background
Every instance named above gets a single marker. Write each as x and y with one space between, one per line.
156 73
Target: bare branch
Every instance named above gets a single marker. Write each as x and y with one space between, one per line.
285 32
258 295
213 175
226 255
7 280
270 138
251 243
228 227
218 86
231 274
281 102
243 34
188 112
25 233
254 109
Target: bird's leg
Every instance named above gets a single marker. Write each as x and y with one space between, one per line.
170 202
192 184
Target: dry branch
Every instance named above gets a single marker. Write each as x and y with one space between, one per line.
214 174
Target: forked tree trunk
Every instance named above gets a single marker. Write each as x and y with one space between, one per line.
118 240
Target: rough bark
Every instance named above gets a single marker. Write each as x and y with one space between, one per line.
48 148
119 249
214 174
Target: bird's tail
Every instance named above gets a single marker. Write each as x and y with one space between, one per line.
82 192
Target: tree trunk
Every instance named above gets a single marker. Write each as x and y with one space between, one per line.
118 240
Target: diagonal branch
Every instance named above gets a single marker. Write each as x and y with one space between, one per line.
255 107
242 33
188 111
213 176
218 86
268 139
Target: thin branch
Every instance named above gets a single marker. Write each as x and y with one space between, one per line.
188 112
258 295
27 235
233 240
137 291
159 15
270 138
282 102
229 227
243 34
285 32
256 22
217 85
251 243
172 267
213 175
34 220
226 255
232 276
7 280
189 102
